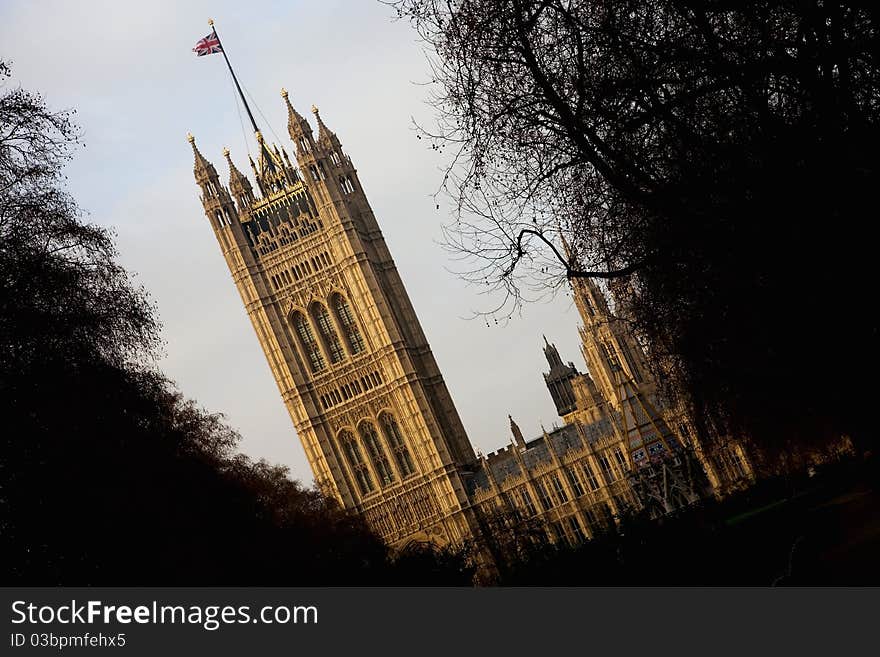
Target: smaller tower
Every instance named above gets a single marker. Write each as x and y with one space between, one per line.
518 439
239 184
559 379
215 197
608 344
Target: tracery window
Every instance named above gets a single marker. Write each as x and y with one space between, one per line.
611 356
607 470
307 342
577 535
348 324
621 460
398 445
631 361
543 496
588 305
527 501
352 451
575 482
328 333
377 453
590 476
558 489
346 184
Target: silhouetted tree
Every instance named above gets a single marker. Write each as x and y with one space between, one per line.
714 160
508 540
422 563
108 475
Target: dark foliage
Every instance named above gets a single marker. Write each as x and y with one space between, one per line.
108 476
717 157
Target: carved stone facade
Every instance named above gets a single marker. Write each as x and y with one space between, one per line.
618 449
351 361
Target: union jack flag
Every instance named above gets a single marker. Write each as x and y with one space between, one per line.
208 46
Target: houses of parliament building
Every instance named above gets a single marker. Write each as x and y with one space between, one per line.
367 398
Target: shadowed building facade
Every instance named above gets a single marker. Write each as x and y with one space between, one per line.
616 451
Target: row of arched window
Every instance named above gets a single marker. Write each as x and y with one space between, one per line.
298 271
351 389
367 457
327 346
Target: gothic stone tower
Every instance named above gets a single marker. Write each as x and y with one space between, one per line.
617 363
607 344
664 472
559 379
351 361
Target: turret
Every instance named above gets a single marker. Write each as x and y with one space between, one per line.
299 129
607 342
204 172
327 139
325 168
518 439
215 198
551 353
239 184
558 380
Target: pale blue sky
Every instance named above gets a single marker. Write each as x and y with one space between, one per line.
128 69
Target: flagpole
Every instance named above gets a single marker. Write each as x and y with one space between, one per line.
234 79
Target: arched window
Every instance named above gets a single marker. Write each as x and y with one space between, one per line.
634 369
307 341
328 333
377 453
352 451
398 446
346 184
346 321
611 356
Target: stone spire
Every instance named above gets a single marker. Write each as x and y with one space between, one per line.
551 353
239 184
202 169
218 204
558 380
297 126
518 439
325 135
